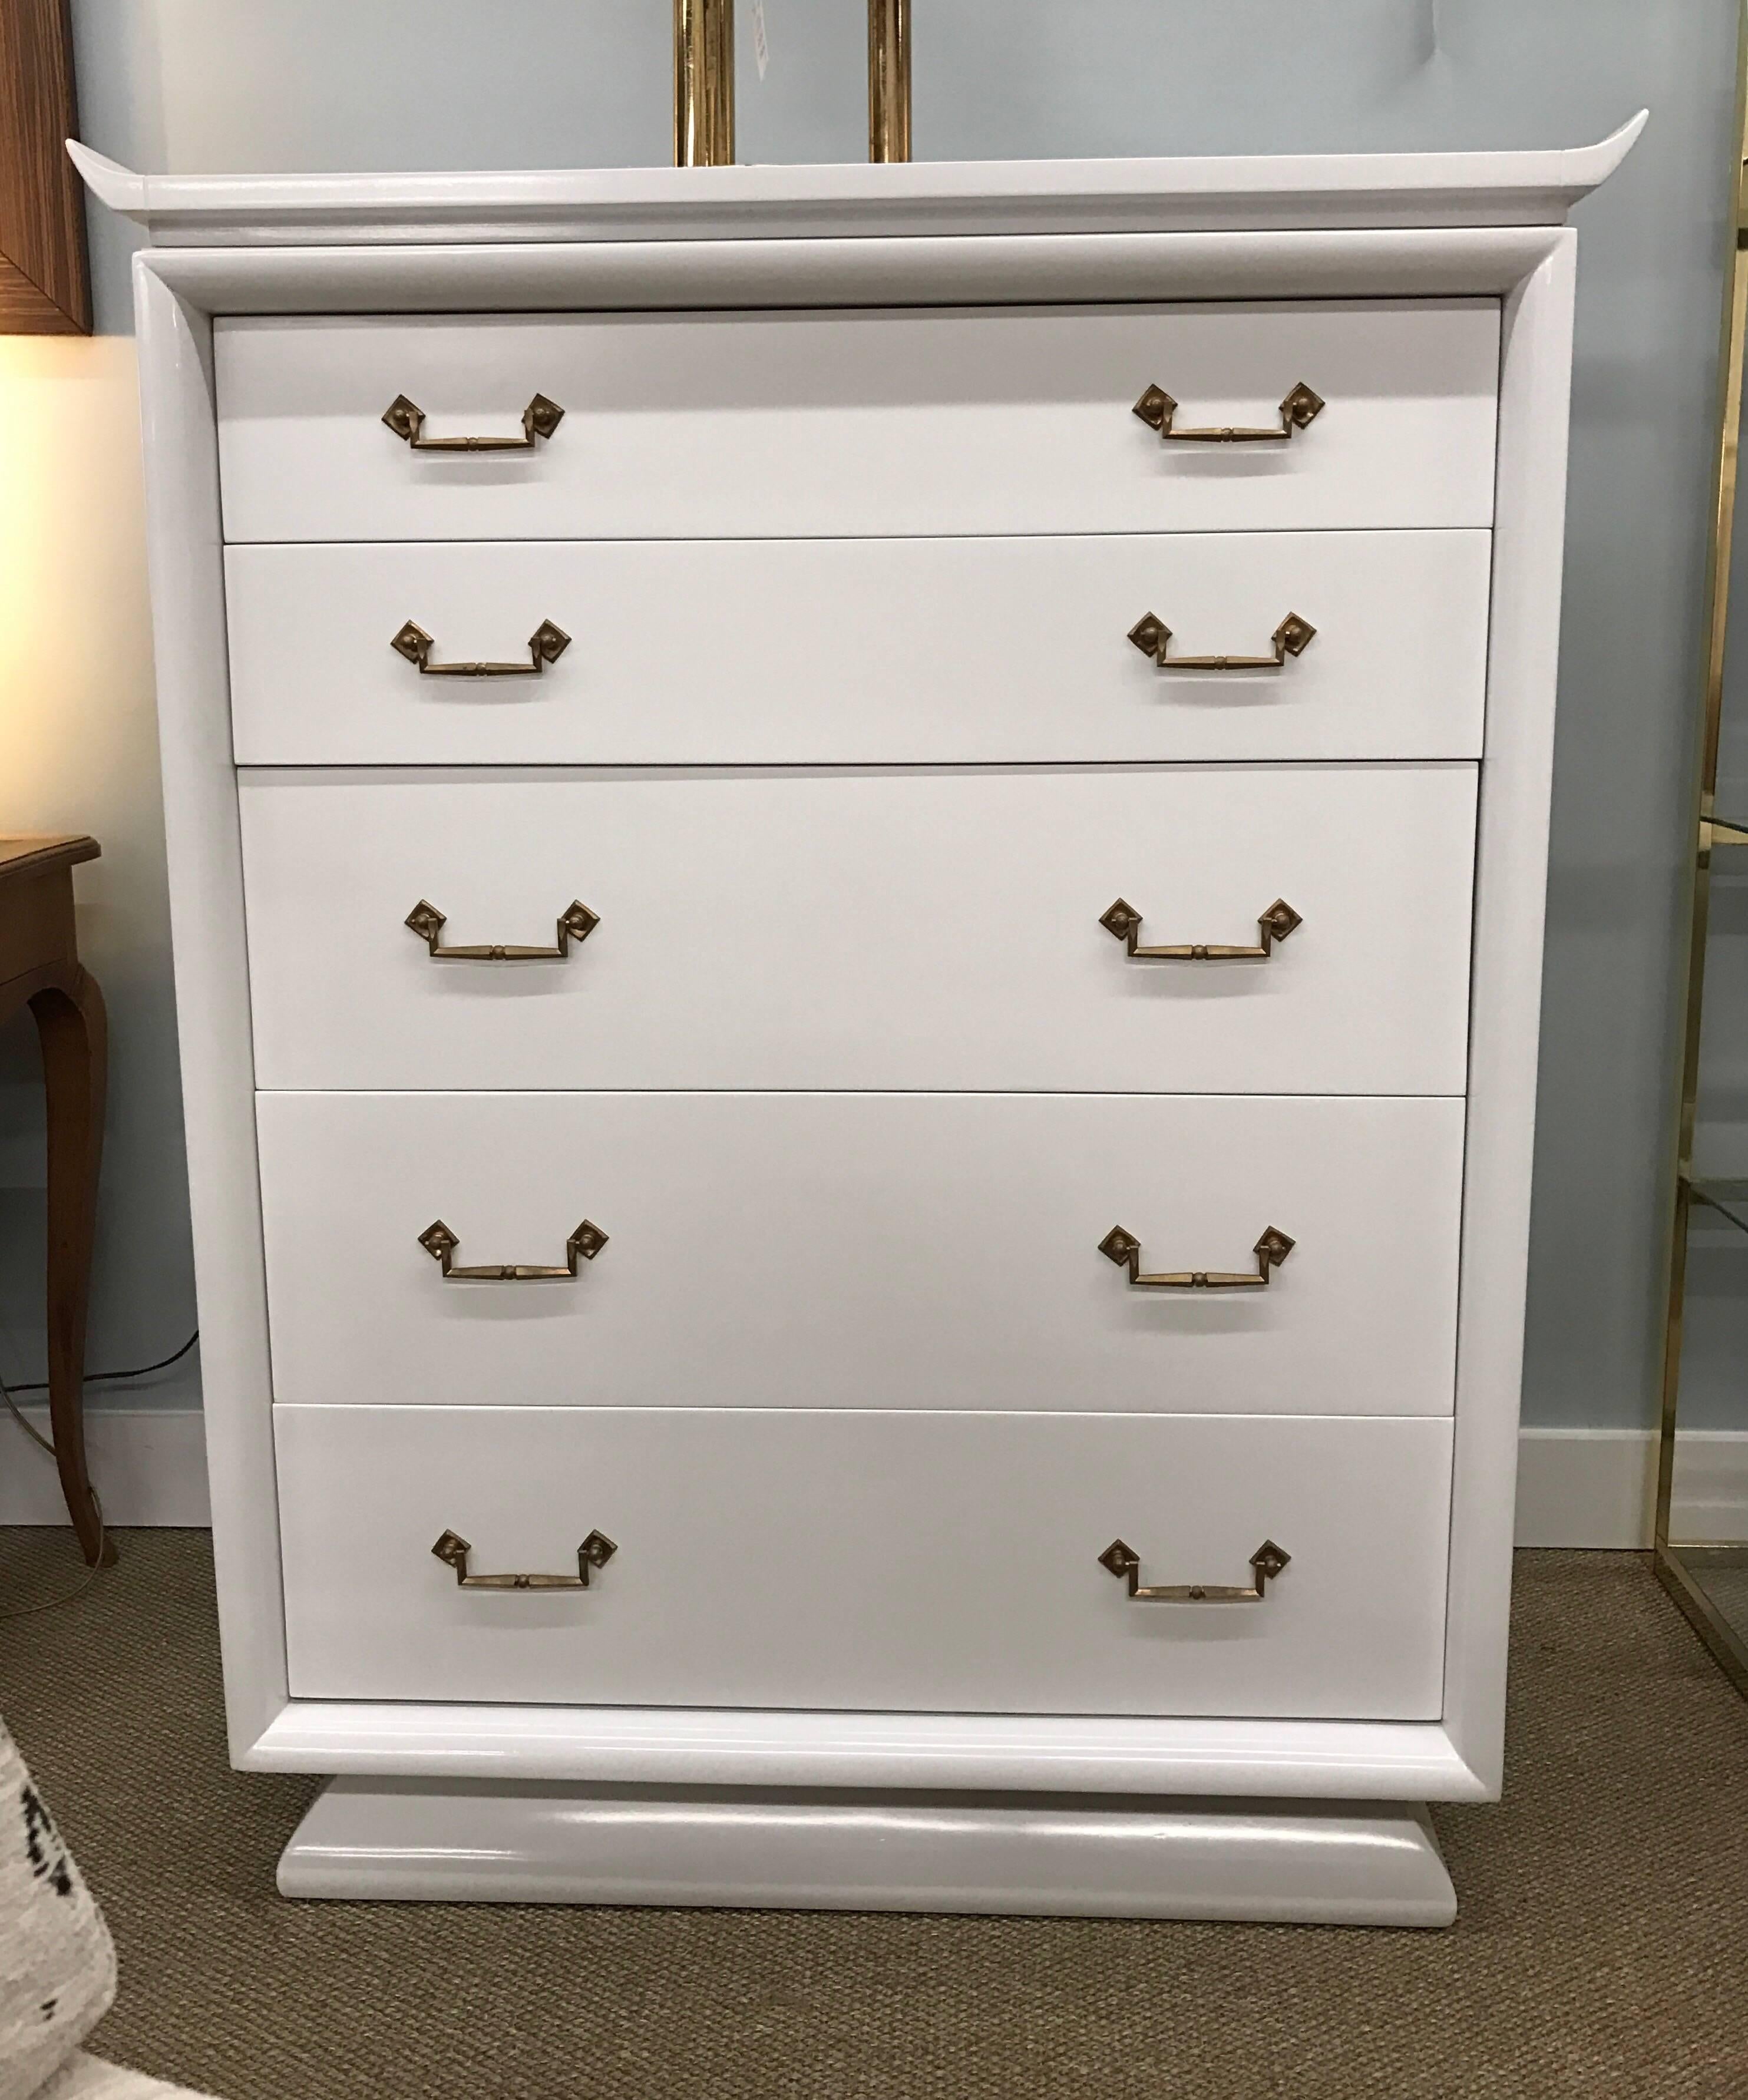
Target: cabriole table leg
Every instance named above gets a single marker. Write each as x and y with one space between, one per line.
74 1030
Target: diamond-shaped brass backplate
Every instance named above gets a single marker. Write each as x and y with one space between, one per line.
1274 1247
1150 634
1155 407
1117 1245
1293 633
413 642
548 643
541 417
1280 918
405 418
597 1549
1116 919
427 920
1269 1560
588 1239
1301 406
579 921
437 1240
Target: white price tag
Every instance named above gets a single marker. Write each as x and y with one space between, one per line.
760 49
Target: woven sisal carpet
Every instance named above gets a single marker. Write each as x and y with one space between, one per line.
1602 1947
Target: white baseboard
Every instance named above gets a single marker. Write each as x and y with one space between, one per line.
1598 1487
1575 1487
147 1464
1586 1487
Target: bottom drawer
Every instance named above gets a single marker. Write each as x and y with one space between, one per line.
795 1558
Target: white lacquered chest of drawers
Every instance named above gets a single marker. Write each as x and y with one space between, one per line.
858 1009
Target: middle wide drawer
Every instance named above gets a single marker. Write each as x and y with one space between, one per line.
880 1251
955 930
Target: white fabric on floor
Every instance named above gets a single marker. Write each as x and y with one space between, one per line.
85 2077
57 1963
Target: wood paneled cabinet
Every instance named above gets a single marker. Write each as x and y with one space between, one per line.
44 280
857 858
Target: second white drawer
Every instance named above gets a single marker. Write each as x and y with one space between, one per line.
854 652
924 930
873 1250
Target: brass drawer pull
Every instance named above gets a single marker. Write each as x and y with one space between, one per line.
595 1551
546 644
1124 1561
440 1244
540 419
1153 637
577 922
1124 923
1159 411
1125 1250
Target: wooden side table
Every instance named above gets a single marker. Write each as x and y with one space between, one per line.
40 967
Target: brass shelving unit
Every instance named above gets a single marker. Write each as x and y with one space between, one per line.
704 81
1708 1576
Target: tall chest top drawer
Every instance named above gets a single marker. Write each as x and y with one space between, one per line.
859 422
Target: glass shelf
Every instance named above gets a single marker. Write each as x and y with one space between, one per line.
1704 1558
1726 1199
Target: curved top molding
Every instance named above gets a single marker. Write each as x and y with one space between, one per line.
1208 195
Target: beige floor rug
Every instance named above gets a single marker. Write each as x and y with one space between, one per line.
1601 1949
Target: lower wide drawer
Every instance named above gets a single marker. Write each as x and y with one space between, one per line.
944 1562
862 1250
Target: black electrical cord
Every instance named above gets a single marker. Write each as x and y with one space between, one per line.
102 1378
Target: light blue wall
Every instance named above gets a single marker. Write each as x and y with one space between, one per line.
187 84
